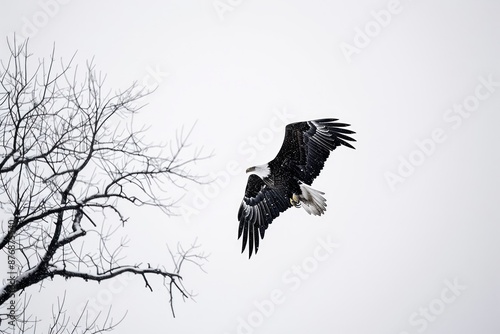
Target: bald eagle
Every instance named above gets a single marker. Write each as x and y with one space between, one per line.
285 181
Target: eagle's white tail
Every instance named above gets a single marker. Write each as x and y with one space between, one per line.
312 200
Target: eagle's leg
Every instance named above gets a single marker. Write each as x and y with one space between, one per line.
295 201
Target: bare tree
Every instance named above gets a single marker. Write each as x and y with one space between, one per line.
70 160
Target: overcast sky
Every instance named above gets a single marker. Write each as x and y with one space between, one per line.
410 242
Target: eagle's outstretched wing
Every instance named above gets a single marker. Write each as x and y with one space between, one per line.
260 205
308 144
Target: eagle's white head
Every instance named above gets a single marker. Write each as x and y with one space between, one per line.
262 170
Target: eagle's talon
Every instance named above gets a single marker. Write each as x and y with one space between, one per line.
295 201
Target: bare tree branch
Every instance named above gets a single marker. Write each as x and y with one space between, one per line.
70 153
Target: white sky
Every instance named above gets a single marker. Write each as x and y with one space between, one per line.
398 249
